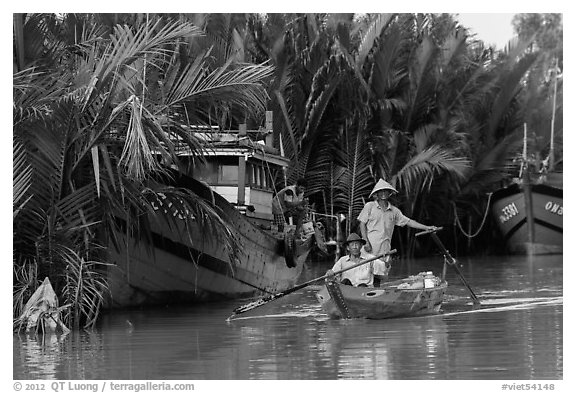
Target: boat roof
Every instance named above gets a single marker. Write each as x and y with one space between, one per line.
249 143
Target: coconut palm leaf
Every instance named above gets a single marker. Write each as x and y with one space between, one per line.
21 178
386 74
419 172
424 136
453 49
77 210
35 93
94 127
422 82
239 86
184 206
25 278
352 173
84 289
339 169
508 89
140 146
373 32
492 167
324 84
380 23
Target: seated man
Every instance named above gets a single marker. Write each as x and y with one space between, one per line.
362 276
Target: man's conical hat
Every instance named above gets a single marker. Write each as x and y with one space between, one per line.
382 185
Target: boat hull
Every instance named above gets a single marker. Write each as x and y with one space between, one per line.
509 209
388 301
183 264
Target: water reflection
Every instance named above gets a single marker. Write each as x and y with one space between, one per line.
373 350
41 354
517 334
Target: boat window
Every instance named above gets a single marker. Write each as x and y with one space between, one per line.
259 176
228 174
252 176
263 177
203 171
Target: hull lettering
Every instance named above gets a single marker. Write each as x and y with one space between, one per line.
553 208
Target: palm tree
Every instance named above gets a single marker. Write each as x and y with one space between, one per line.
100 116
347 82
433 113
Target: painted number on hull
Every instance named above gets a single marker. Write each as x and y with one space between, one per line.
553 208
508 212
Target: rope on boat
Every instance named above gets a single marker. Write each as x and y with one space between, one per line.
263 151
457 220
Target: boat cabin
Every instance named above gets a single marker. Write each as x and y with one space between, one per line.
240 165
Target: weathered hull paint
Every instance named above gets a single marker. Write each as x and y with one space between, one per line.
384 302
509 210
184 265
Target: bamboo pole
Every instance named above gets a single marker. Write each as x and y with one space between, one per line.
242 172
551 153
526 187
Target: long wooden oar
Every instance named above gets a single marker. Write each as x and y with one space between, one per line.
268 299
451 261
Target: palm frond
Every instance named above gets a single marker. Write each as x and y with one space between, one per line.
48 160
324 85
176 206
77 210
374 32
21 178
493 166
84 288
508 89
453 48
421 98
352 180
424 135
239 86
419 172
137 154
25 283
386 75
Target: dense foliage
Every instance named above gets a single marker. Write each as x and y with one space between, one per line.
411 98
96 102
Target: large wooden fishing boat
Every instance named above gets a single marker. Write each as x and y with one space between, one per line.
529 215
183 263
529 211
413 296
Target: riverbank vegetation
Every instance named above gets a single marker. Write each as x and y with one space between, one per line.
412 98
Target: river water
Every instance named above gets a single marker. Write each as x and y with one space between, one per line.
516 334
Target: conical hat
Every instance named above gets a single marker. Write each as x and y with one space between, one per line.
382 185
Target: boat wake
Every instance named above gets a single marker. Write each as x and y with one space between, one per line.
315 315
507 304
487 305
304 311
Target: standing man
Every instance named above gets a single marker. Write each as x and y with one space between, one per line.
290 202
379 217
362 276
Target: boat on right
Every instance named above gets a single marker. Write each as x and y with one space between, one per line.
530 217
529 211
